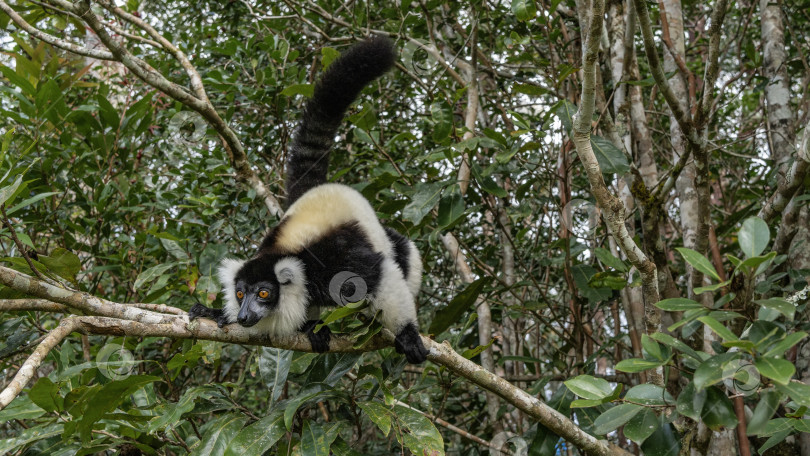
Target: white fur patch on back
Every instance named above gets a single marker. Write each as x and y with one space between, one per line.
293 300
227 276
323 209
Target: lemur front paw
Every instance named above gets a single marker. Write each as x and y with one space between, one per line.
201 311
319 340
409 343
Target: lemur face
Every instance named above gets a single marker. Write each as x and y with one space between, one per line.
256 301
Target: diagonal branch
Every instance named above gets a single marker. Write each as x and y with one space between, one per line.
118 319
30 366
52 40
198 101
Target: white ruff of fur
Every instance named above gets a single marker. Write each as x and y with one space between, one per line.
293 301
227 276
325 208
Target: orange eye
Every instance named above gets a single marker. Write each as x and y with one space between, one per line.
239 294
264 294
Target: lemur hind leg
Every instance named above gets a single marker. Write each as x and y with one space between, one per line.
319 340
398 305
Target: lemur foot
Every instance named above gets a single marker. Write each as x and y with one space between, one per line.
319 340
409 343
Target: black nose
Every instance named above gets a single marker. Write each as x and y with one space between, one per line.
247 318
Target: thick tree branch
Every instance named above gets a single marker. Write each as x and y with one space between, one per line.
613 208
118 319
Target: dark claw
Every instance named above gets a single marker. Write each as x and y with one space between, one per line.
319 340
409 343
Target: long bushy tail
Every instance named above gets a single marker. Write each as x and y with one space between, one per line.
308 159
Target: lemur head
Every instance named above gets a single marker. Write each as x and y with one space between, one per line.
252 288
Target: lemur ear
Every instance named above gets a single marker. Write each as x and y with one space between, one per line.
289 270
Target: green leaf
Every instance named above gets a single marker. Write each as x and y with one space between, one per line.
314 441
611 159
609 260
641 426
30 201
22 408
107 398
677 344
715 369
698 262
274 365
754 236
589 387
647 394
678 304
62 262
615 417
778 370
786 344
45 394
152 273
328 55
299 89
690 401
718 327
218 434
565 110
768 403
442 121
718 411
713 287
8 191
780 305
524 10
486 182
378 414
451 210
340 313
258 437
637 365
423 437
663 442
451 314
422 202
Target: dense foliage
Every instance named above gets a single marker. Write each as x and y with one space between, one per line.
115 189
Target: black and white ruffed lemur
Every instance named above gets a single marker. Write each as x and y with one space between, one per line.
329 244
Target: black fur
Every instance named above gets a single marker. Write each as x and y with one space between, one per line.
401 251
409 343
319 340
339 86
199 310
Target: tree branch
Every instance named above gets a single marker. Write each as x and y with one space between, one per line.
118 319
613 208
52 40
